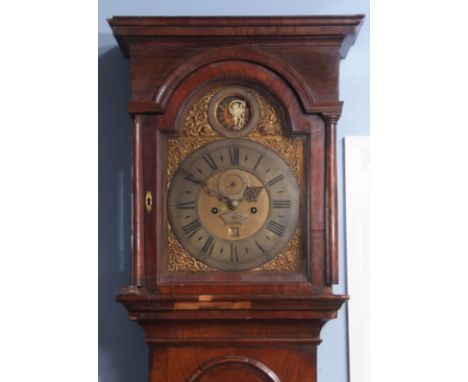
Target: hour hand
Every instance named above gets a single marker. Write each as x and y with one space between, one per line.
251 193
215 193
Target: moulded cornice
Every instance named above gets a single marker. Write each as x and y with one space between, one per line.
314 29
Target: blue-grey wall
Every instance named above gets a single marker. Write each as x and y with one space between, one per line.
122 352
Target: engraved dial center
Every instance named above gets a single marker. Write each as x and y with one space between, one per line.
234 219
232 184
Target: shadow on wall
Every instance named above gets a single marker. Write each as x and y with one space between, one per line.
123 355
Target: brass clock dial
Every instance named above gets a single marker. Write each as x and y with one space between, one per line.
233 204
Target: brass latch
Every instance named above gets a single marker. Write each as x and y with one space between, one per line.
148 201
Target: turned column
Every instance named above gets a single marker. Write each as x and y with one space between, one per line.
331 198
138 203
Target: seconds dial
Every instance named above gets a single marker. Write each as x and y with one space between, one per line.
233 204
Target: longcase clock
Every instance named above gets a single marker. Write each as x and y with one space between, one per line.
235 246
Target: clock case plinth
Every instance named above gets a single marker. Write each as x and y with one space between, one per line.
234 327
185 333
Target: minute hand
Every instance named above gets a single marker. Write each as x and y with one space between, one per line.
215 193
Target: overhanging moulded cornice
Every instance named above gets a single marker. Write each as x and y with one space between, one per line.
315 29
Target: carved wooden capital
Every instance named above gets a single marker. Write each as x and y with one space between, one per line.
331 118
133 290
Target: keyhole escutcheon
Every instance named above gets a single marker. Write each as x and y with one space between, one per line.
148 201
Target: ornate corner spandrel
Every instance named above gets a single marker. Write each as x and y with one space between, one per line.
270 123
179 260
196 122
290 259
291 150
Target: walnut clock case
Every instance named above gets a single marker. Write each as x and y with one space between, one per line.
235 242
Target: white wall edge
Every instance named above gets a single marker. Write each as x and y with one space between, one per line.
357 158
